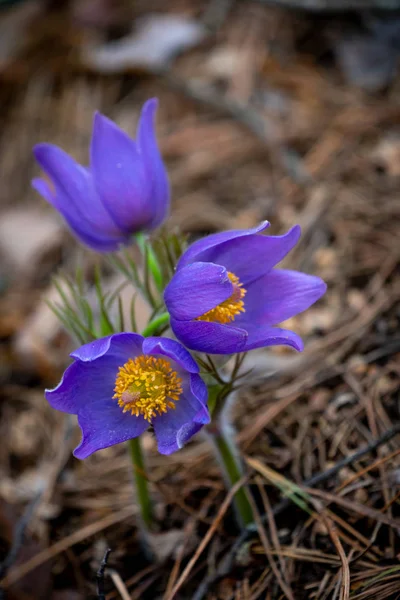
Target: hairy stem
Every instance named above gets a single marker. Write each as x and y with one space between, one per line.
156 325
151 260
142 488
223 440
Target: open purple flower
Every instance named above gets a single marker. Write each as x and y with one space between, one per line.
120 385
125 190
225 296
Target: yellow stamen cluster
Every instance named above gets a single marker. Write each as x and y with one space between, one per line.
230 308
147 386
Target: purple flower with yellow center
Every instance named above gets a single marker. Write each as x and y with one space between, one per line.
125 189
226 296
121 384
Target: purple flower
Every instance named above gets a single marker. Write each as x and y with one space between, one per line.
125 190
120 385
226 296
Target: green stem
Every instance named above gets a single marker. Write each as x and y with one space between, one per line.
152 262
142 488
228 455
158 323
139 470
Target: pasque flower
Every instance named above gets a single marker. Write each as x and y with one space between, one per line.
120 385
226 296
124 190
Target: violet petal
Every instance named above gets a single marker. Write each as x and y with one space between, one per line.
250 257
104 425
279 295
175 427
159 192
205 336
196 289
172 349
195 251
120 176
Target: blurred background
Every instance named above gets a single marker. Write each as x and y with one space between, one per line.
286 110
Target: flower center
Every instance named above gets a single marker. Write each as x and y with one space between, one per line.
147 386
230 308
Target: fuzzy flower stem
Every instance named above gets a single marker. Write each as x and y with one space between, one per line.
139 468
142 488
135 447
157 324
227 453
151 259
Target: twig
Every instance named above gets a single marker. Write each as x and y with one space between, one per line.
247 116
357 507
268 551
345 462
227 562
345 579
63 544
224 507
120 585
101 592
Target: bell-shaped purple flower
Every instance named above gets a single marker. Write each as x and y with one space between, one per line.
124 190
226 296
120 385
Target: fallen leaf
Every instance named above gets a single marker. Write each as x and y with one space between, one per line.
167 543
386 155
153 44
29 240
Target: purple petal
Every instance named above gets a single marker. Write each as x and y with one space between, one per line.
279 295
260 336
252 256
204 336
172 349
196 250
83 384
196 289
159 194
198 388
92 377
119 347
80 227
104 425
120 176
75 196
43 188
174 428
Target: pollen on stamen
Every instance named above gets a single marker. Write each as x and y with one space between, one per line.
147 386
128 397
227 310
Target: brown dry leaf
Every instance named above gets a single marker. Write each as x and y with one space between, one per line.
155 41
386 155
29 240
222 63
167 543
26 487
36 344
